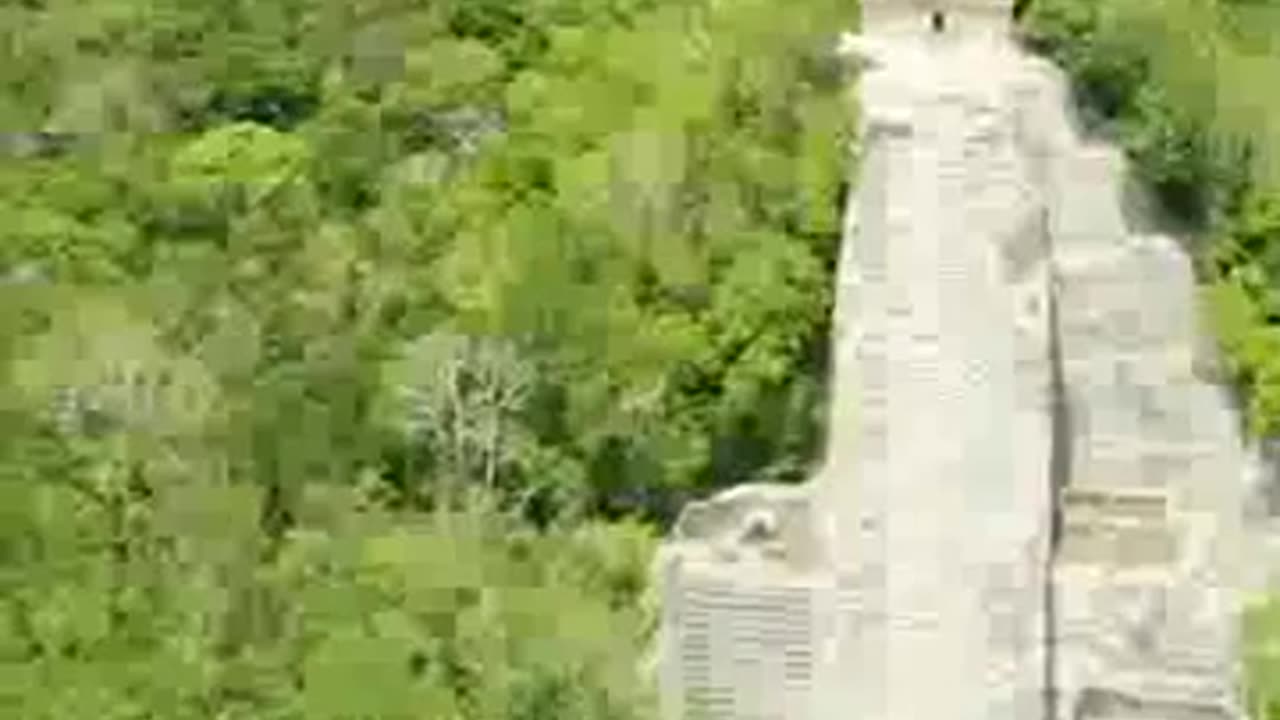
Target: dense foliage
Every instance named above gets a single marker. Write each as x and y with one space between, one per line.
359 615
1262 659
1189 88
337 334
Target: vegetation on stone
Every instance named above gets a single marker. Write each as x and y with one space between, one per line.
1187 87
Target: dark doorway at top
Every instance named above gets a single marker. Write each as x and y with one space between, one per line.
938 21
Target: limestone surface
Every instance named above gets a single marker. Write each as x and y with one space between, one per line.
1031 504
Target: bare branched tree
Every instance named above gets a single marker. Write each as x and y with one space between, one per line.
456 394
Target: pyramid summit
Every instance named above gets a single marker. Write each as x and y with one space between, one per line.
945 16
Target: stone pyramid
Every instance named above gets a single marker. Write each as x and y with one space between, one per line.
1029 505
